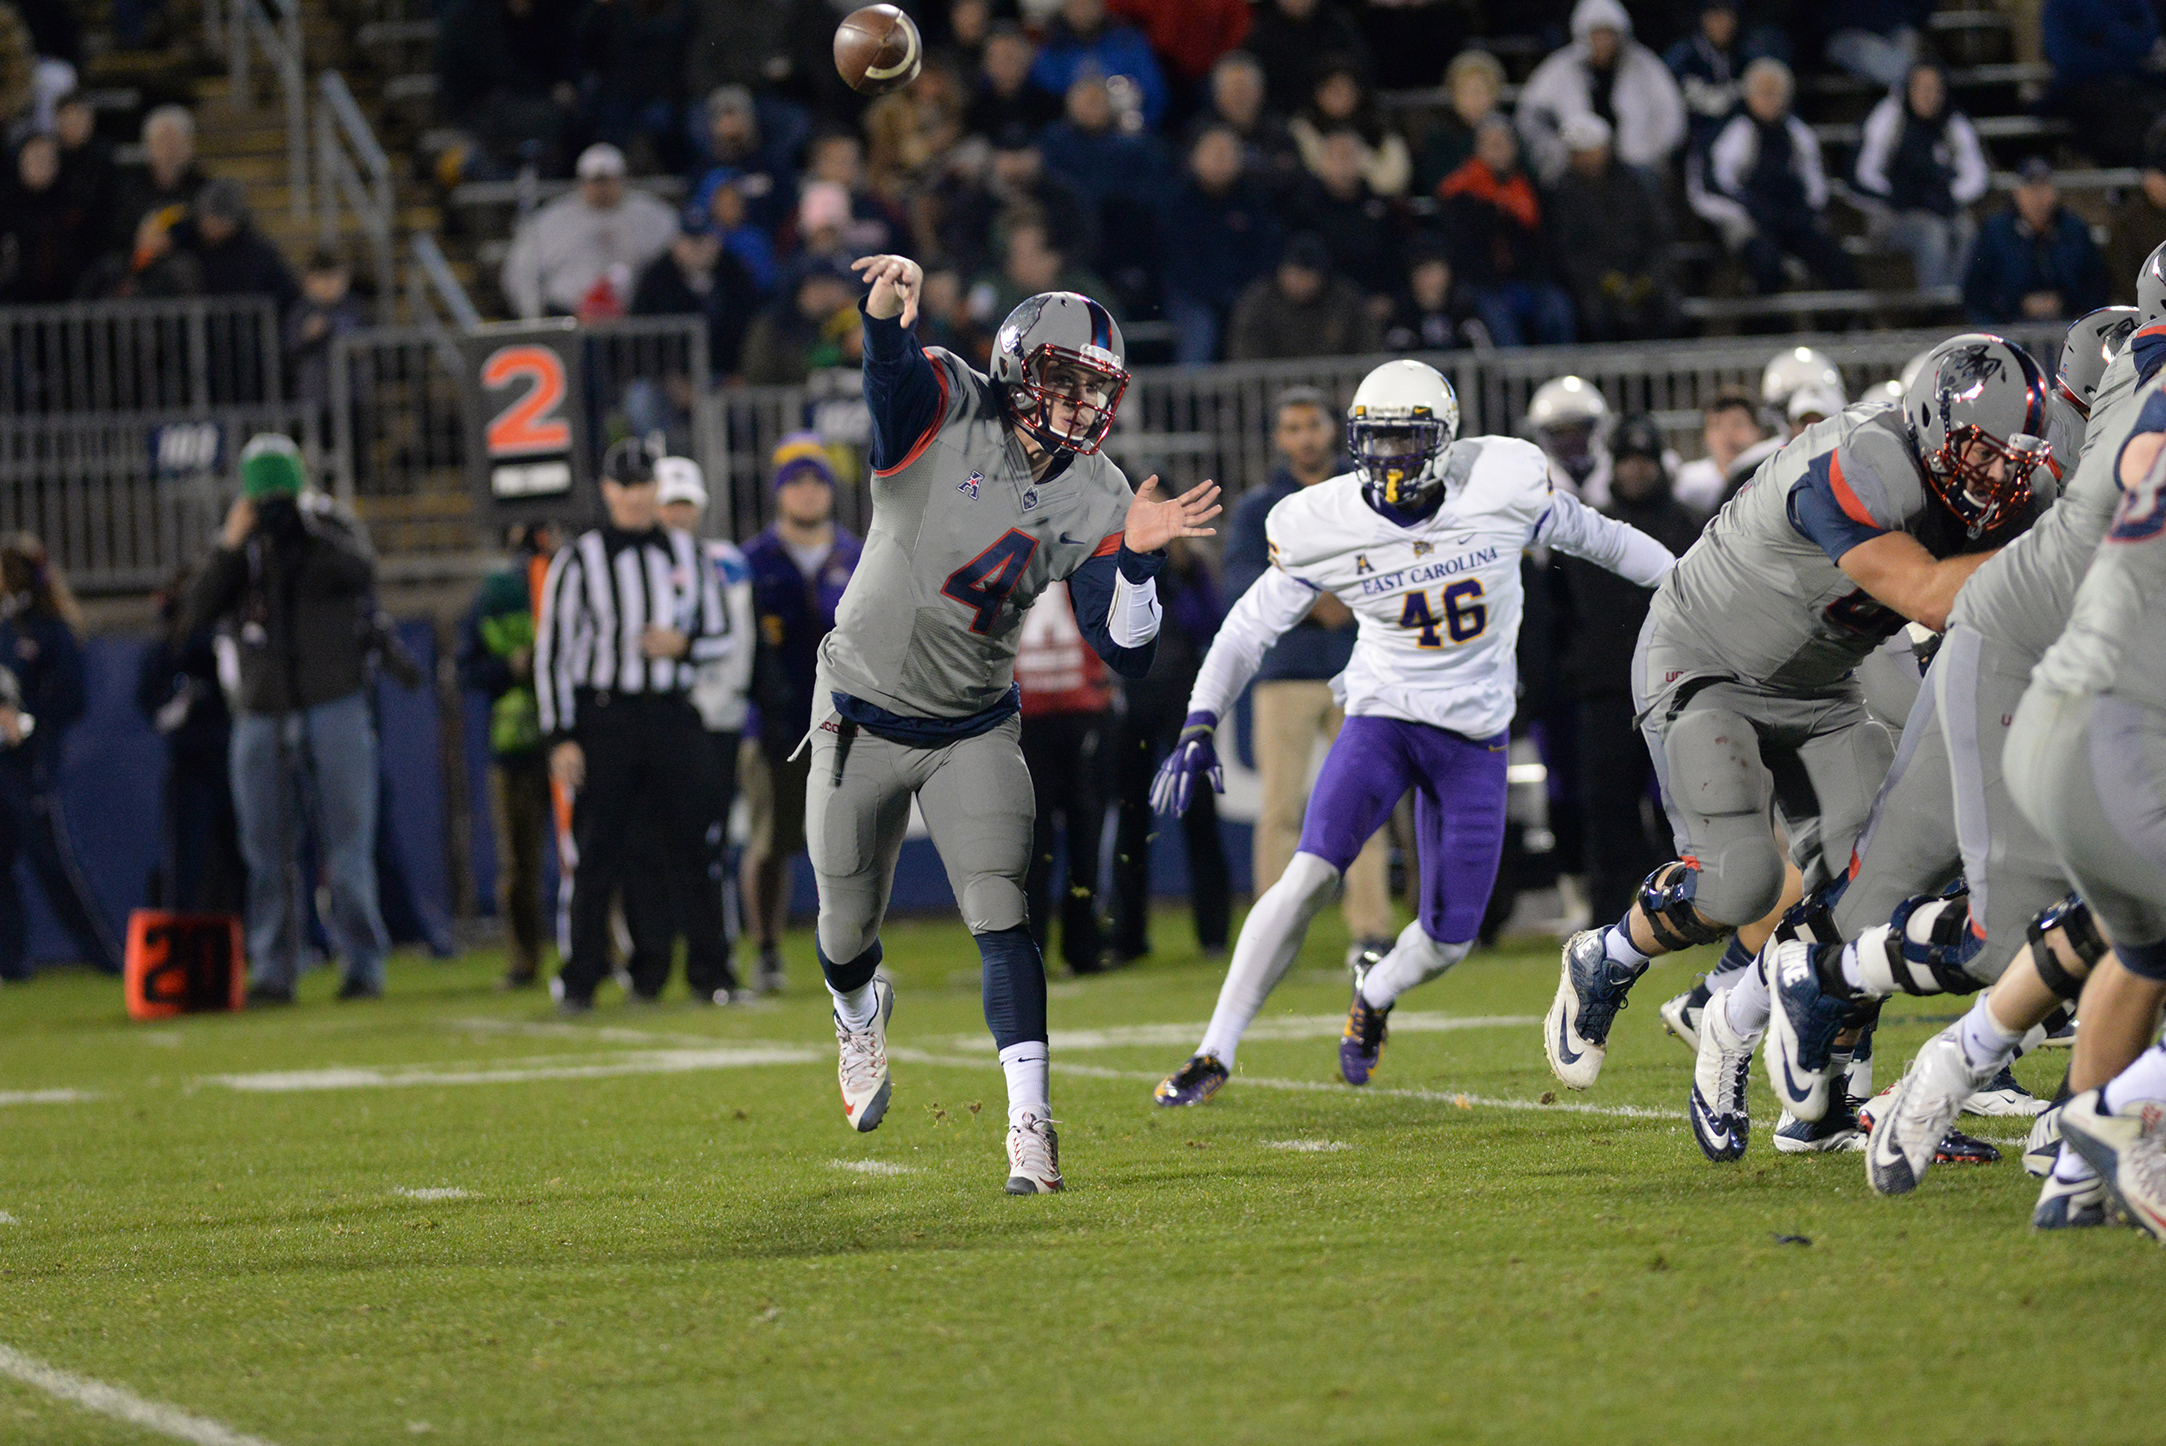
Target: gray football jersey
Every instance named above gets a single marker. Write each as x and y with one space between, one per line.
2022 595
1759 597
961 544
2114 642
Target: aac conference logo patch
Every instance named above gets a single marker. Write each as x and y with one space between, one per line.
969 485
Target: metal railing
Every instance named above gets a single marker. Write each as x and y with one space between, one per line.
138 356
122 501
276 32
353 179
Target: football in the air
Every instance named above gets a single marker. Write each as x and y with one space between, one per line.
877 50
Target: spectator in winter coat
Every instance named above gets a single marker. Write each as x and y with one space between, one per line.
1492 225
1220 235
1108 166
2138 224
719 202
754 142
1340 101
1355 222
1002 96
2034 261
48 237
1922 162
327 310
695 277
168 177
1611 231
1086 41
1189 35
780 343
1603 72
1764 188
1706 64
1432 314
1735 443
1238 99
1014 181
1292 38
1475 82
2103 76
87 171
599 236
236 258
1300 310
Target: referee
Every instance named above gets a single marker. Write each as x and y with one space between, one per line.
628 612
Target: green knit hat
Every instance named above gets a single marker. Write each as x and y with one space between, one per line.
270 467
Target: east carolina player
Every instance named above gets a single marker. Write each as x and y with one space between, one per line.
1746 674
1422 540
986 490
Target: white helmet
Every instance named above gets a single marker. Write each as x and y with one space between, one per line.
1800 366
1813 400
1400 428
1912 367
1566 417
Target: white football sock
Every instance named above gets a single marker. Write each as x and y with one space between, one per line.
1987 1043
1617 943
1852 975
1415 959
1747 1005
1270 939
1028 1091
857 1008
2071 1168
2143 1080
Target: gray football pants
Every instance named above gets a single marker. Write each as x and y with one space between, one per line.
1945 810
1726 753
2089 772
976 799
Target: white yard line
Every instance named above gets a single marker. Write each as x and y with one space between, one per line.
432 1192
659 1061
46 1097
871 1167
121 1404
1303 1026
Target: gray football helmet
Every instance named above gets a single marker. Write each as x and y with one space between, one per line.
2093 342
1978 400
1798 367
2151 288
1069 332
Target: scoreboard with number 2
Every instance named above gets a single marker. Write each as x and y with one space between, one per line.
526 422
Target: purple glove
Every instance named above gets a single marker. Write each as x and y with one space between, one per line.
1194 754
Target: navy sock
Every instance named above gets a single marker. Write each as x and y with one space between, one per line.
855 975
1014 986
1735 956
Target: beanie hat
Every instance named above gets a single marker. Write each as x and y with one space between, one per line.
271 467
797 454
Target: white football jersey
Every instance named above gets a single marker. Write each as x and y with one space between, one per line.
1437 603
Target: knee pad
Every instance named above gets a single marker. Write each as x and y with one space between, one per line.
1928 943
992 902
1666 899
2072 918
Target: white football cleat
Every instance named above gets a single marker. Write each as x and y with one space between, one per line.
2003 1094
2043 1146
862 1068
1591 988
1033 1157
1681 1016
2128 1149
1909 1121
1721 1120
2062 1206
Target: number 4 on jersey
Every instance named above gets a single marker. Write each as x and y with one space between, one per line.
984 582
1464 615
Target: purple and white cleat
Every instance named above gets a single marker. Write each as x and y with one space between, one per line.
1192 1083
1361 1043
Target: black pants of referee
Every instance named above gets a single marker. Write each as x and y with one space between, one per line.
653 913
649 765
1065 755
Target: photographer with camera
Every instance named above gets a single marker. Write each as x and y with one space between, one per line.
293 577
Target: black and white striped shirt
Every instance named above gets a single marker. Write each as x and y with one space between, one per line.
602 593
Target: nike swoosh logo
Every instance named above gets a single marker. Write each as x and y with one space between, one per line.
1071 541
1789 1081
1564 1049
1710 1129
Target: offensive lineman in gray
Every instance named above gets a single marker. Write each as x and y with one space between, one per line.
986 490
1745 669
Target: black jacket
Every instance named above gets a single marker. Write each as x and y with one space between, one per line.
1604 611
298 591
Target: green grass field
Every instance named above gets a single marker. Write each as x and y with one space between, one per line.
657 1229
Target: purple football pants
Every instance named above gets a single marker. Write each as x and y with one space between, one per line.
1458 788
